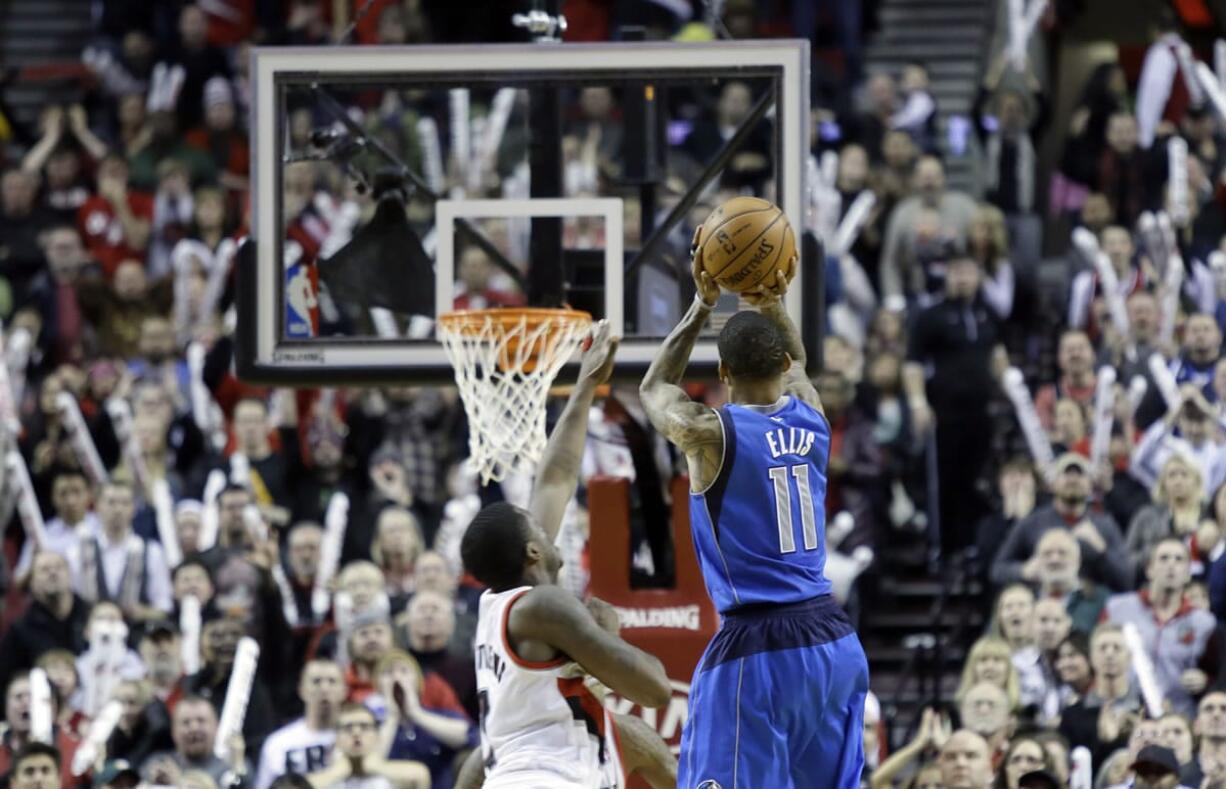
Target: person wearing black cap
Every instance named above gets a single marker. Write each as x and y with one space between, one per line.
1155 768
161 650
1103 556
1039 779
117 774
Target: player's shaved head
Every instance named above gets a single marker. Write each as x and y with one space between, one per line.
494 545
752 348
504 548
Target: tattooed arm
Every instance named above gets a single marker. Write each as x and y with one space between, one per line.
693 427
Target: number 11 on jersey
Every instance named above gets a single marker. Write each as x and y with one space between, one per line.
783 507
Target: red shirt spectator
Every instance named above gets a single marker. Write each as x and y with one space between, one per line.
436 694
16 731
220 136
65 742
115 222
1075 359
230 22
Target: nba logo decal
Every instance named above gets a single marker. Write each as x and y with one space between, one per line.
301 305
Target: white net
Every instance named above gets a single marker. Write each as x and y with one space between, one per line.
505 362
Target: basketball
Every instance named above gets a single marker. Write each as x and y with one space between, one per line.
743 241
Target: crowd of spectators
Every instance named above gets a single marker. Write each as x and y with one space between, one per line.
1121 530
205 499
118 217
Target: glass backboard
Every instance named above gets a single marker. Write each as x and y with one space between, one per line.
394 184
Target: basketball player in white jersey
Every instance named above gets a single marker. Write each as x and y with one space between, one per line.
541 727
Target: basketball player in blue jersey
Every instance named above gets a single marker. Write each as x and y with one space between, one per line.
777 699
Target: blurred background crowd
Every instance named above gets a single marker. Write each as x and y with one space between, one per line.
119 206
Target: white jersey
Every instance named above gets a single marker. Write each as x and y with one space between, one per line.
375 782
296 748
541 728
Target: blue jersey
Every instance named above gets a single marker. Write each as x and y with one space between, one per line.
759 529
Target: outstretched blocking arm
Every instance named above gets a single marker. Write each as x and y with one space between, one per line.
693 427
559 469
552 616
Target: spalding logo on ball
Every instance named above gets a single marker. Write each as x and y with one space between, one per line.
743 241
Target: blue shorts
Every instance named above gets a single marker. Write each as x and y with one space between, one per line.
778 701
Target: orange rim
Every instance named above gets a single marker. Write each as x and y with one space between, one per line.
470 322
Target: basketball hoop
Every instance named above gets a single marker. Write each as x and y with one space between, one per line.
505 361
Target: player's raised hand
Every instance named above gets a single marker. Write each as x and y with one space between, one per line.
774 288
708 288
598 358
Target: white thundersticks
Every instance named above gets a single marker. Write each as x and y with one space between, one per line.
238 694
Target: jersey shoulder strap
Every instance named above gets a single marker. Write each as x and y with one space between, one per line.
504 630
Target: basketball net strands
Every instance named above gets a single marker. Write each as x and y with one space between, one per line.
505 362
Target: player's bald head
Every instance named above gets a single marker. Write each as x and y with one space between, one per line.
494 545
504 548
752 348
